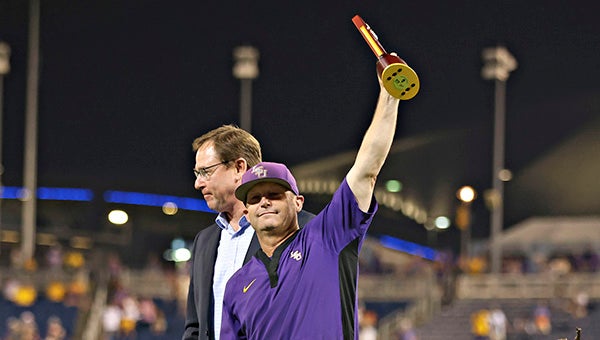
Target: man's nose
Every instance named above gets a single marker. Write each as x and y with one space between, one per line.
199 183
265 201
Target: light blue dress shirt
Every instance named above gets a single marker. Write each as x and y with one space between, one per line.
231 252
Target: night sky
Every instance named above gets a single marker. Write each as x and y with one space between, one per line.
125 86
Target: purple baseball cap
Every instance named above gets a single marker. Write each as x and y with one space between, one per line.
266 172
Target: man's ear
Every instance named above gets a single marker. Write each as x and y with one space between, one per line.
299 202
240 165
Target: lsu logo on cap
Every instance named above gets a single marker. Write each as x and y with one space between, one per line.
259 171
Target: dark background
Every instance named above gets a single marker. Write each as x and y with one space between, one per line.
125 86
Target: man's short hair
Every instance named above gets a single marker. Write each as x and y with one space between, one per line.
232 142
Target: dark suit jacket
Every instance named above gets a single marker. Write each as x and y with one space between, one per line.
199 315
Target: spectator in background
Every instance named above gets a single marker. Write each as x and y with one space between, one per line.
56 291
480 324
368 325
26 295
476 264
579 307
29 327
55 330
560 265
542 318
152 317
131 313
54 258
537 262
498 322
111 320
407 331
13 329
587 261
10 289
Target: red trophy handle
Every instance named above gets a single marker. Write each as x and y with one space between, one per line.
399 79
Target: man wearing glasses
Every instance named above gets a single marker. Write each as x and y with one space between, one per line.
222 156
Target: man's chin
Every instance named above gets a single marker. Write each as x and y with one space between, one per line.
267 220
211 204
262 226
267 229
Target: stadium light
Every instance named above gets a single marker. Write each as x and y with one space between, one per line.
498 63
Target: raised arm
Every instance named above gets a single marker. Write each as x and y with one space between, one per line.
374 149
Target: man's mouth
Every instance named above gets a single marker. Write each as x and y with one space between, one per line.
266 213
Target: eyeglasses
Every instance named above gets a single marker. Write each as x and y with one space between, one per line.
205 173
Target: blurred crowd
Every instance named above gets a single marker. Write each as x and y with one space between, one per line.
43 299
50 297
131 313
586 260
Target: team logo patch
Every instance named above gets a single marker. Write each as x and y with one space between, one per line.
259 171
296 255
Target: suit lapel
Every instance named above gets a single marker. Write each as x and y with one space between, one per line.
209 253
